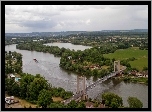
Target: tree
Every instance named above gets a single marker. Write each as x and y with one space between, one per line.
134 102
35 87
113 59
81 105
112 100
114 103
145 68
72 104
24 83
44 98
12 87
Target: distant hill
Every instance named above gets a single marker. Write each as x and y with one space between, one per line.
65 33
134 30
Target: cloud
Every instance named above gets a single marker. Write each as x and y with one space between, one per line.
88 22
37 24
29 18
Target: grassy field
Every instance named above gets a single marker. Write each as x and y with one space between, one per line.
140 55
55 99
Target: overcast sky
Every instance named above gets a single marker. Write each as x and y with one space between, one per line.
50 18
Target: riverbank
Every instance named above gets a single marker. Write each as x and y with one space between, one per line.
61 77
133 79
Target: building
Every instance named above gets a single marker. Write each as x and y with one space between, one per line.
41 39
12 76
34 40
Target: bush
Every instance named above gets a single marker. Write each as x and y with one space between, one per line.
127 79
134 102
112 100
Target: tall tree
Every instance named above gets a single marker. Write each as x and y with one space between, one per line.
134 102
112 100
35 87
44 98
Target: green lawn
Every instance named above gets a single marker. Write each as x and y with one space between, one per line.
140 55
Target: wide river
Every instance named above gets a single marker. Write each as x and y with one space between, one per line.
48 67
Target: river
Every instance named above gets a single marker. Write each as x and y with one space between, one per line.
48 66
68 45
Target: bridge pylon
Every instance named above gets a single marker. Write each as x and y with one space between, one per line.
117 65
83 89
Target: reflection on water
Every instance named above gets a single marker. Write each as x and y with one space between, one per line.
48 66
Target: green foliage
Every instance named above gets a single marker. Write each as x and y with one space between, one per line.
30 87
81 105
112 100
93 56
131 53
44 98
36 46
12 87
72 104
134 102
126 79
82 62
60 92
136 79
24 83
57 105
135 69
145 68
35 87
13 62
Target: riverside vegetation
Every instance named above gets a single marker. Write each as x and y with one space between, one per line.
41 94
96 61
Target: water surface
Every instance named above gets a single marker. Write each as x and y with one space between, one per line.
48 66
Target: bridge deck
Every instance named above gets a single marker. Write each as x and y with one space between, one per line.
78 95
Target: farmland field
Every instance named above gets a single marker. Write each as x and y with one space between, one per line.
140 55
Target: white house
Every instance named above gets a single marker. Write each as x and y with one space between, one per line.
12 76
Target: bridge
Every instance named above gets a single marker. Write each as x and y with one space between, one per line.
82 94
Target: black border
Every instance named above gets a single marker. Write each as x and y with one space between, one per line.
3 3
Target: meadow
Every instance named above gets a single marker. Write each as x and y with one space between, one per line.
141 56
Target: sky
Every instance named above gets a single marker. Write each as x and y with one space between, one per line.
56 18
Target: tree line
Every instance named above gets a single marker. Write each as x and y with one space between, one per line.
89 62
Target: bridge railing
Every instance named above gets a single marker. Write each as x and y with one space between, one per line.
76 96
